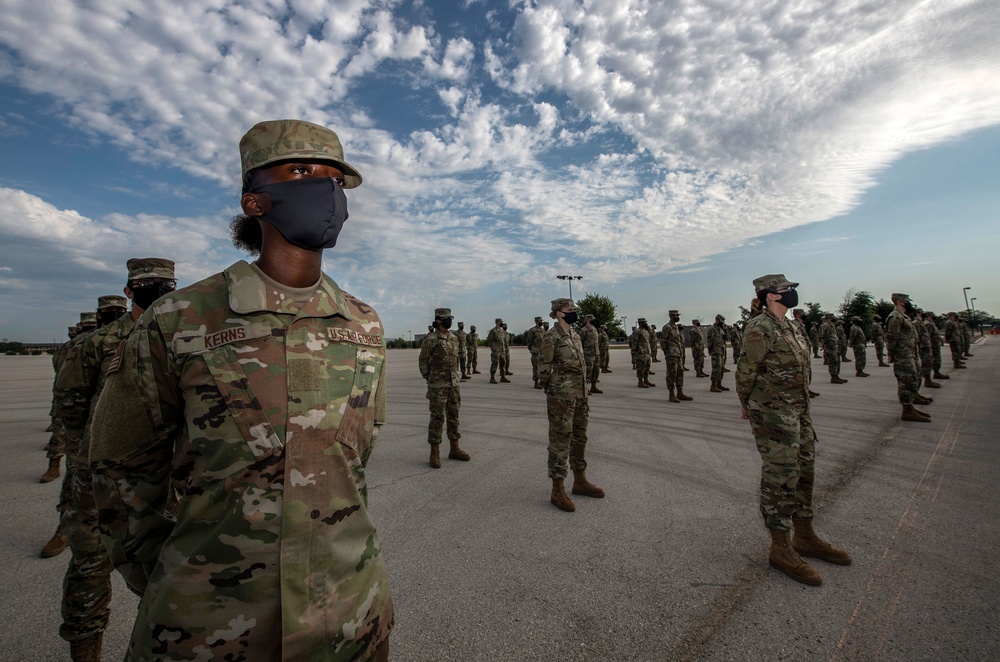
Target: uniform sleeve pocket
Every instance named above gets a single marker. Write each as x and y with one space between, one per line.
243 406
367 371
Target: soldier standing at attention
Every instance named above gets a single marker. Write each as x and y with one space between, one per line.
773 386
589 337
439 366
562 371
55 448
495 341
533 340
799 320
716 342
604 346
698 349
966 337
472 345
814 339
460 337
842 341
642 359
736 340
831 348
87 584
878 337
926 350
673 351
680 329
506 351
953 336
653 344
932 330
858 344
266 387
901 341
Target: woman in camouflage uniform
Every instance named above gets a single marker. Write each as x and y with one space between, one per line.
772 382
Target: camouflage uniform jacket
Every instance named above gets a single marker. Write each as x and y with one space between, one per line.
561 364
460 337
933 333
841 336
857 338
533 338
716 341
262 414
773 372
590 341
829 338
900 336
495 338
672 341
924 344
439 360
603 342
80 381
472 340
642 346
697 341
801 326
965 329
877 335
951 331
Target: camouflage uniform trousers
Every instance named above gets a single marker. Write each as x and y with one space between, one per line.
444 404
473 359
534 366
907 379
860 357
787 446
675 372
880 351
87 585
497 360
926 361
936 362
832 361
653 347
642 366
461 358
593 367
956 350
718 363
606 359
699 362
568 419
57 441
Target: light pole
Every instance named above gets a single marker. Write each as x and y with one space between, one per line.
965 293
975 316
570 279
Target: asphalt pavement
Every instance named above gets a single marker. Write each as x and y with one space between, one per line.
671 565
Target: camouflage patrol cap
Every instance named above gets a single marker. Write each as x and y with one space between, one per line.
88 318
461 324
897 297
560 304
499 319
696 322
588 316
111 301
828 316
720 318
798 311
538 318
855 319
641 319
144 268
442 312
772 282
72 329
673 312
283 140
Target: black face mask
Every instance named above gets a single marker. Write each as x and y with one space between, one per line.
444 323
105 317
143 295
308 213
789 299
675 319
910 310
571 317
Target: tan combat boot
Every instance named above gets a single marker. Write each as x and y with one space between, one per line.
559 498
784 558
672 398
807 543
929 384
503 378
493 378
584 487
435 460
457 453
938 375
959 365
721 387
837 379
466 377
54 546
594 389
715 387
911 414
649 383
681 396
87 649
813 394
53 471
921 400
537 385
642 384
701 373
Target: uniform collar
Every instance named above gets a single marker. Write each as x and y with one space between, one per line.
248 294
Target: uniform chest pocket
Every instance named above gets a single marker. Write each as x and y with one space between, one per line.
245 410
367 369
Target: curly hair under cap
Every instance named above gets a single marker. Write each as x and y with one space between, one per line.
245 231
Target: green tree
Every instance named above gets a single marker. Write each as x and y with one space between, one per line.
882 310
814 315
861 304
604 311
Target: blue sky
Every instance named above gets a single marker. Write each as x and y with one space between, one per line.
669 152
